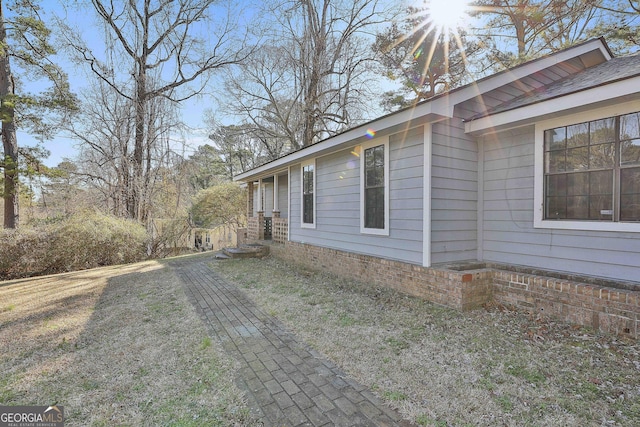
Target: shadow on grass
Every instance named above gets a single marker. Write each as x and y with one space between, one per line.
116 345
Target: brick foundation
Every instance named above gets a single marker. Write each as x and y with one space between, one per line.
604 308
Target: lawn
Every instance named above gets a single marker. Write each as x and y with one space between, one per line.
114 346
123 346
440 367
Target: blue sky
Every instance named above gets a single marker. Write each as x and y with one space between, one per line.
62 147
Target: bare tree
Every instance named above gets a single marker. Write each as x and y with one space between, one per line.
106 130
308 81
159 50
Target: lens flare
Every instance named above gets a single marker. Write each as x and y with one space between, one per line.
370 133
449 14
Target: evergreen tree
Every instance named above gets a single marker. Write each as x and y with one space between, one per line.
24 43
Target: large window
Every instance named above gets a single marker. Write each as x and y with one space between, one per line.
308 184
375 187
592 170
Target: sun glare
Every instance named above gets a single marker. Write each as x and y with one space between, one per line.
448 14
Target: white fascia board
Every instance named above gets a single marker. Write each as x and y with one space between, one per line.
620 90
422 113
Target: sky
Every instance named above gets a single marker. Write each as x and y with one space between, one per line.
61 146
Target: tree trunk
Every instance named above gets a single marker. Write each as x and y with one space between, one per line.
9 139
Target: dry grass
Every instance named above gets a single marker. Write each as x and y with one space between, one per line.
115 346
445 368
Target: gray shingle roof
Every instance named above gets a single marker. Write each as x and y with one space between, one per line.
615 69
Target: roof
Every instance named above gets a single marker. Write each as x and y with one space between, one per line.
505 89
614 70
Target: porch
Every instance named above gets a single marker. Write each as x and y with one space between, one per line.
267 209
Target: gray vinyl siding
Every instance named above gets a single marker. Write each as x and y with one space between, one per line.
454 193
508 232
337 197
283 196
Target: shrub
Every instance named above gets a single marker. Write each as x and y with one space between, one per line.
84 240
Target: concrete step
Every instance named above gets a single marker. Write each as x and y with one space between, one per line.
247 251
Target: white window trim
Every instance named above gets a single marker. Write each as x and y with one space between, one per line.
373 143
540 127
315 191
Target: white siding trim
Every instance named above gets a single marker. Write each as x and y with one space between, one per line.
480 226
426 198
289 203
374 143
260 208
315 192
276 204
538 185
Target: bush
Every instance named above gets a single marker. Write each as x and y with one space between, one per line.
85 240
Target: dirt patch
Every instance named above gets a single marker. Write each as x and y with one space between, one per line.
440 367
114 346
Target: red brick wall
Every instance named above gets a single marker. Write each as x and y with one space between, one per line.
616 311
460 290
606 309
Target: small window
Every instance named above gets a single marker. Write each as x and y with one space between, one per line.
374 163
592 170
374 187
308 187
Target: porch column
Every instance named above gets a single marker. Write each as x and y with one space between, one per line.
250 199
260 212
260 209
276 207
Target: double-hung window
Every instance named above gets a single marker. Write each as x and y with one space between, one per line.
592 171
375 188
308 191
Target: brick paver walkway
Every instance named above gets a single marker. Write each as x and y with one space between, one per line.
287 382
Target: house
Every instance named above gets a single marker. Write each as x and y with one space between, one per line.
522 187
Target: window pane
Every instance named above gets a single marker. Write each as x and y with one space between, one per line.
307 194
601 183
556 208
374 166
307 179
630 208
554 139
630 181
603 130
578 207
307 209
630 126
630 194
600 207
578 135
630 152
602 156
374 208
578 184
556 185
577 159
554 161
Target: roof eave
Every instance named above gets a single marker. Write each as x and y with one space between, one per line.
610 93
392 123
